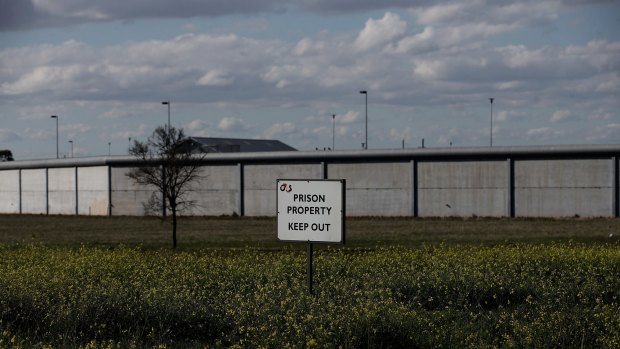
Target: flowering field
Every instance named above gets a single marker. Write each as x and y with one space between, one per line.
556 294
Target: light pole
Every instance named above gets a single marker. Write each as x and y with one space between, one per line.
109 148
365 93
71 141
168 104
56 117
333 131
491 131
128 144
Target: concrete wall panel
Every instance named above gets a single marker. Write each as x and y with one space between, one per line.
375 189
61 186
34 195
128 198
459 188
260 185
215 191
93 191
9 191
562 188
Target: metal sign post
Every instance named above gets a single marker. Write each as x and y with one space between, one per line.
311 211
309 266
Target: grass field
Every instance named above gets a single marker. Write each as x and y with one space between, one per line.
226 232
398 282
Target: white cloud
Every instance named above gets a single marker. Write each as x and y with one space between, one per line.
308 46
380 31
232 124
400 134
215 78
348 117
560 115
279 130
141 131
609 133
8 136
197 127
543 133
440 62
73 129
38 134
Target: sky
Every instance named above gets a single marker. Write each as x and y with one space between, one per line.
278 69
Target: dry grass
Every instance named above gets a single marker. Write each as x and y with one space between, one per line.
223 232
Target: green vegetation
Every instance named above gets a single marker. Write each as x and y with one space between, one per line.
524 288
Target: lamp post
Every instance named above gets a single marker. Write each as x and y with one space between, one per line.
491 131
365 93
56 117
109 148
71 141
168 104
333 131
128 144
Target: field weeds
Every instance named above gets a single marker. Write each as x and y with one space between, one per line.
524 295
522 288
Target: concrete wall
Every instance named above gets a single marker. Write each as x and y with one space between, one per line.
62 190
34 191
128 198
216 191
9 191
93 191
463 188
554 181
564 188
260 184
376 189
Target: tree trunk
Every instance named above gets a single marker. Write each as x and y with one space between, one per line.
174 227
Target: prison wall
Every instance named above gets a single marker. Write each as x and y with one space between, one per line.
563 181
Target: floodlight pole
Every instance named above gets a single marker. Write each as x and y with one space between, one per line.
168 104
333 131
365 93
71 141
56 117
491 131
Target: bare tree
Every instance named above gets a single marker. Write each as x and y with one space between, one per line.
167 163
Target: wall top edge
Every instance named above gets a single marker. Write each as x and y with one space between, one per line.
318 156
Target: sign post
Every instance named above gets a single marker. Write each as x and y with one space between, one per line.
311 211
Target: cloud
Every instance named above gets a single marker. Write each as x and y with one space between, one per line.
348 117
8 136
197 128
142 131
280 130
543 133
609 133
381 31
30 14
349 6
232 124
73 129
401 134
215 78
38 134
433 57
560 115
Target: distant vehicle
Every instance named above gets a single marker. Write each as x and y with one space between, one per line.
6 155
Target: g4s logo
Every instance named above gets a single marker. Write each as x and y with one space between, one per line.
286 187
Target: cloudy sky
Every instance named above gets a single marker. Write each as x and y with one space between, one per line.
280 69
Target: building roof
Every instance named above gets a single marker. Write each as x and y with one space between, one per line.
239 145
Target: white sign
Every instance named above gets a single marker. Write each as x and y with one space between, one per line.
311 210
